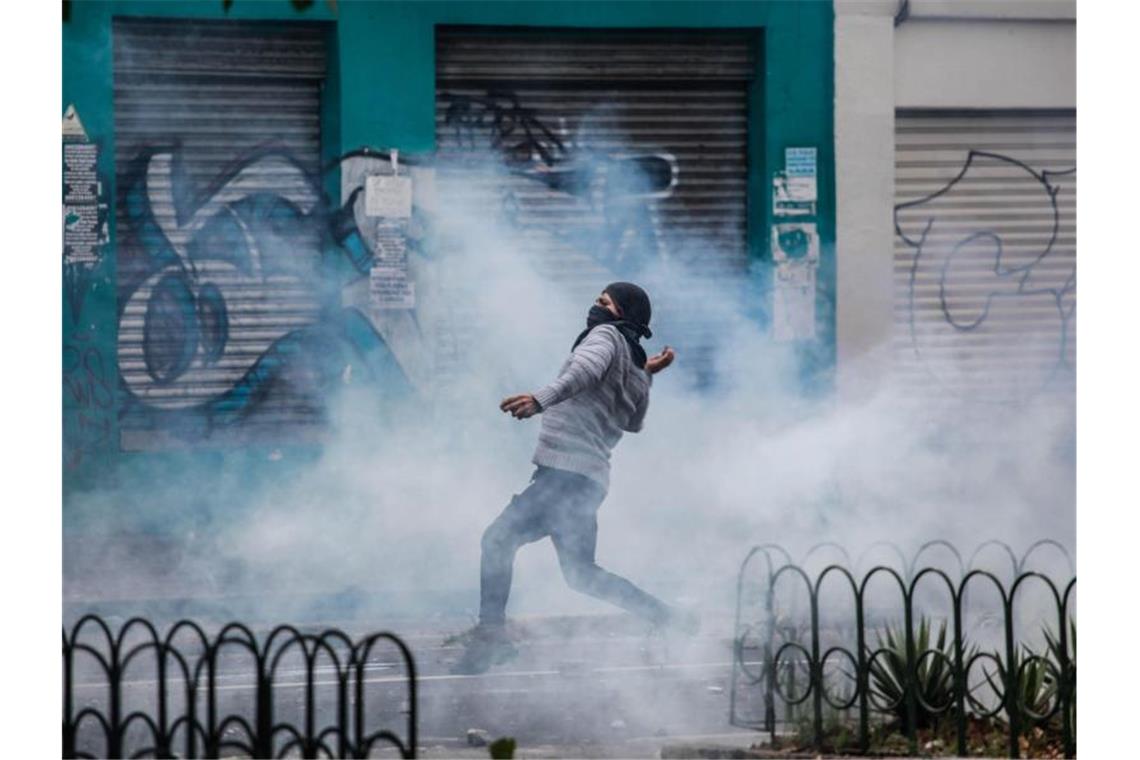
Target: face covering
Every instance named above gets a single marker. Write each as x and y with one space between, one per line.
600 315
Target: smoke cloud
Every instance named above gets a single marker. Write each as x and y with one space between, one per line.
397 499
383 524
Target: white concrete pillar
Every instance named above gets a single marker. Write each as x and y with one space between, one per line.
864 168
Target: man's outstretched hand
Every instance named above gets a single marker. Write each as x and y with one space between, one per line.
523 405
658 362
520 407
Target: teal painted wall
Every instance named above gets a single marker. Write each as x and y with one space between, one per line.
90 432
381 93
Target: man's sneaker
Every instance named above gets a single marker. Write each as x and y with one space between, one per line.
486 646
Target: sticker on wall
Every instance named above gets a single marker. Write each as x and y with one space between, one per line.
795 251
388 196
388 204
73 126
800 162
795 190
791 198
390 288
84 212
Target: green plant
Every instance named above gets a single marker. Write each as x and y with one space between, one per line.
1054 643
1035 677
933 678
838 731
503 749
1034 685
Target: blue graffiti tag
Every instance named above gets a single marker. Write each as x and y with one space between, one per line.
235 245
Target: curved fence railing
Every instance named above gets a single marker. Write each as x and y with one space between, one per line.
147 695
806 643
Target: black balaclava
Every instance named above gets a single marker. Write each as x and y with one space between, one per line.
635 309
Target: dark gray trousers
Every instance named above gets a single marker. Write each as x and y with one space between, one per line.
562 505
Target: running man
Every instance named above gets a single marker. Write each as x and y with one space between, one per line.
601 391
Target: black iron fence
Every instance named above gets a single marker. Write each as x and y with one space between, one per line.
135 693
812 641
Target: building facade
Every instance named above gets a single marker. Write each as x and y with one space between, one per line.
249 198
247 207
955 131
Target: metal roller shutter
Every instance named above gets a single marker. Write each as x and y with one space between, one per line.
217 142
625 148
985 254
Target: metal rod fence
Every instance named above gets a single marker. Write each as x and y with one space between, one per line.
188 674
891 683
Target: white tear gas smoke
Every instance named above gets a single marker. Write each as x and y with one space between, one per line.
398 498
715 469
391 512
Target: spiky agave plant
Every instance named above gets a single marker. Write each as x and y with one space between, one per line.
1034 682
933 677
1053 641
1054 644
1034 685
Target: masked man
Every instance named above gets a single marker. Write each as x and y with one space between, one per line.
601 391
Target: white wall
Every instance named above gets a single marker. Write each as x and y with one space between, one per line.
960 54
1034 10
864 169
985 64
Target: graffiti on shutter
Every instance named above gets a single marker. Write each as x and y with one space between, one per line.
625 154
985 255
230 327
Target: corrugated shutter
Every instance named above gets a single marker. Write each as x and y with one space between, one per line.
221 120
985 254
659 120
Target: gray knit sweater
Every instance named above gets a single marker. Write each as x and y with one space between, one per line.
598 394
